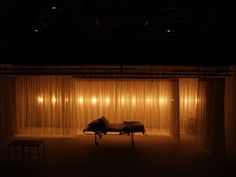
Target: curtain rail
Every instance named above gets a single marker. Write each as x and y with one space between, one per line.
148 77
130 76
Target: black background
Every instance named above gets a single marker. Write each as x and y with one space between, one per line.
204 32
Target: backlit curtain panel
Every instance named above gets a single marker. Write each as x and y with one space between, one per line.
210 122
64 105
44 105
188 88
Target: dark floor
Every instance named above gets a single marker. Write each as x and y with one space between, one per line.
151 156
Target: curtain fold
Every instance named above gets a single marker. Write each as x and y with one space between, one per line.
230 115
188 104
174 121
7 107
210 115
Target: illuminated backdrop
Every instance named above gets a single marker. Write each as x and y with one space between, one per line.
64 105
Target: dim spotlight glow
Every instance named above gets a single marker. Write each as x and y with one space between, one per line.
94 100
36 30
122 100
81 100
107 100
40 99
185 100
161 100
172 99
149 100
54 99
66 99
54 7
196 100
134 100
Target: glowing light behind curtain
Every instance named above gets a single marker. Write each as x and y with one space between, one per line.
188 103
61 105
174 119
145 101
44 105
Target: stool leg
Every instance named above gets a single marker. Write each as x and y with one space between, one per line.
38 152
43 150
8 153
29 153
95 138
23 153
132 139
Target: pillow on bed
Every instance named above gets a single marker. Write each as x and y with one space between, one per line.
105 121
100 123
94 123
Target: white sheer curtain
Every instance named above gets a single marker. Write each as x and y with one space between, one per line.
61 105
210 115
7 107
44 105
146 101
188 103
230 115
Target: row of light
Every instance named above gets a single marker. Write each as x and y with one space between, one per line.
189 100
107 100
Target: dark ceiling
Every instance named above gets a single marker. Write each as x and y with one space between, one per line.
152 29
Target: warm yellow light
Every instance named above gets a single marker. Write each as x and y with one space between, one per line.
161 100
54 99
149 100
81 100
185 100
134 100
40 99
122 100
94 100
66 99
172 99
107 100
196 100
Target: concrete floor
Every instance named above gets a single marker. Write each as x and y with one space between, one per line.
115 157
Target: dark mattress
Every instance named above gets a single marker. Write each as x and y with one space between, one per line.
125 127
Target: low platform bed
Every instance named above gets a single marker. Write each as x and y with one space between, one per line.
102 126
